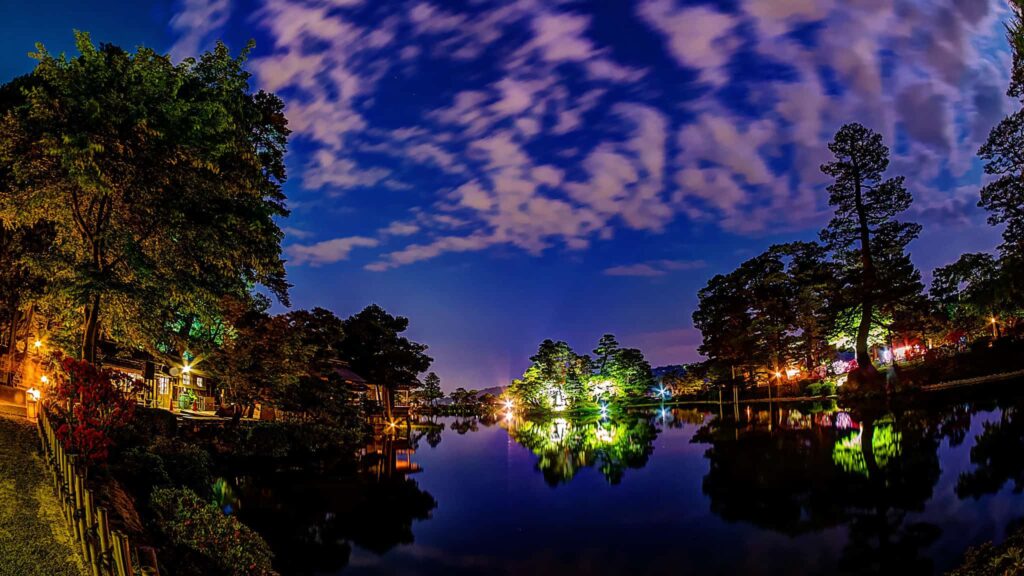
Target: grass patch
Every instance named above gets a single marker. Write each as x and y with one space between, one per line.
34 539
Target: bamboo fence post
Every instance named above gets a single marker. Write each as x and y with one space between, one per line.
103 529
90 533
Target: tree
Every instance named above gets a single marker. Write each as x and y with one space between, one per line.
812 293
1003 196
972 290
375 348
864 236
162 182
431 391
606 349
262 359
631 372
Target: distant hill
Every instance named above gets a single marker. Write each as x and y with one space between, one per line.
662 370
493 391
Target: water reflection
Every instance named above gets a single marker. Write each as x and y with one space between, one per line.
796 472
312 520
877 490
564 447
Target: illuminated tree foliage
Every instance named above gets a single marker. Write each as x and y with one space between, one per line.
560 378
865 239
162 182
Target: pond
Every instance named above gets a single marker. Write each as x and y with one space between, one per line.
792 489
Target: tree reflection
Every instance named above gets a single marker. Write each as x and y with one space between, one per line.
996 455
311 521
795 473
565 446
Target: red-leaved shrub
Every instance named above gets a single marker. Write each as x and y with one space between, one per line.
89 404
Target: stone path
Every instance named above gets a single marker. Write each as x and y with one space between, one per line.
34 539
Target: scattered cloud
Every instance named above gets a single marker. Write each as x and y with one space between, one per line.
327 251
653 268
549 133
196 22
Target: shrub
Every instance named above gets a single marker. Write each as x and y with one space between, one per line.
140 470
89 405
267 439
223 542
186 464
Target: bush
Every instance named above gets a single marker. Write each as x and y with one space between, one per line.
186 464
140 471
992 560
267 439
229 547
90 404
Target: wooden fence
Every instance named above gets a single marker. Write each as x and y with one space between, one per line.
106 552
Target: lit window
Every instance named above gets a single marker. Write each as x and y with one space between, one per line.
161 385
186 379
199 381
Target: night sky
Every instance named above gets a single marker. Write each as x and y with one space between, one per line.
507 171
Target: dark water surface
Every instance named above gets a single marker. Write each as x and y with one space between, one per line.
795 490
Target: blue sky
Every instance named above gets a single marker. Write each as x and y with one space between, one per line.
506 171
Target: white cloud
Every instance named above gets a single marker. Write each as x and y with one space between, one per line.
196 22
328 251
654 268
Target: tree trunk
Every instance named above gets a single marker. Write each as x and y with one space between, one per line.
92 328
12 341
868 280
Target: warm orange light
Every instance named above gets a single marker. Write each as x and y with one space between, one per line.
38 344
993 319
33 393
44 379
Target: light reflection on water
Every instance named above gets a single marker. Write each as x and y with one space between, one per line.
798 490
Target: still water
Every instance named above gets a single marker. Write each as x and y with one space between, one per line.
797 489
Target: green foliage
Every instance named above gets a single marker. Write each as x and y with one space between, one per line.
989 559
774 310
865 238
194 525
141 471
122 151
431 391
186 464
375 348
559 378
973 289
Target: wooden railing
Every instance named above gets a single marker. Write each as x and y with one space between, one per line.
106 552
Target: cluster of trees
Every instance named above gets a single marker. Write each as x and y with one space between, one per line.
792 304
290 360
139 201
857 287
559 377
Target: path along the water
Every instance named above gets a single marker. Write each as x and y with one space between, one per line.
34 539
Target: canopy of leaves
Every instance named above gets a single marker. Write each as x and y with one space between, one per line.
162 182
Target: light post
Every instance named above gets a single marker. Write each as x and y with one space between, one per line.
995 328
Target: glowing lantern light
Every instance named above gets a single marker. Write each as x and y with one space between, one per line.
509 404
34 393
790 373
44 379
38 344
